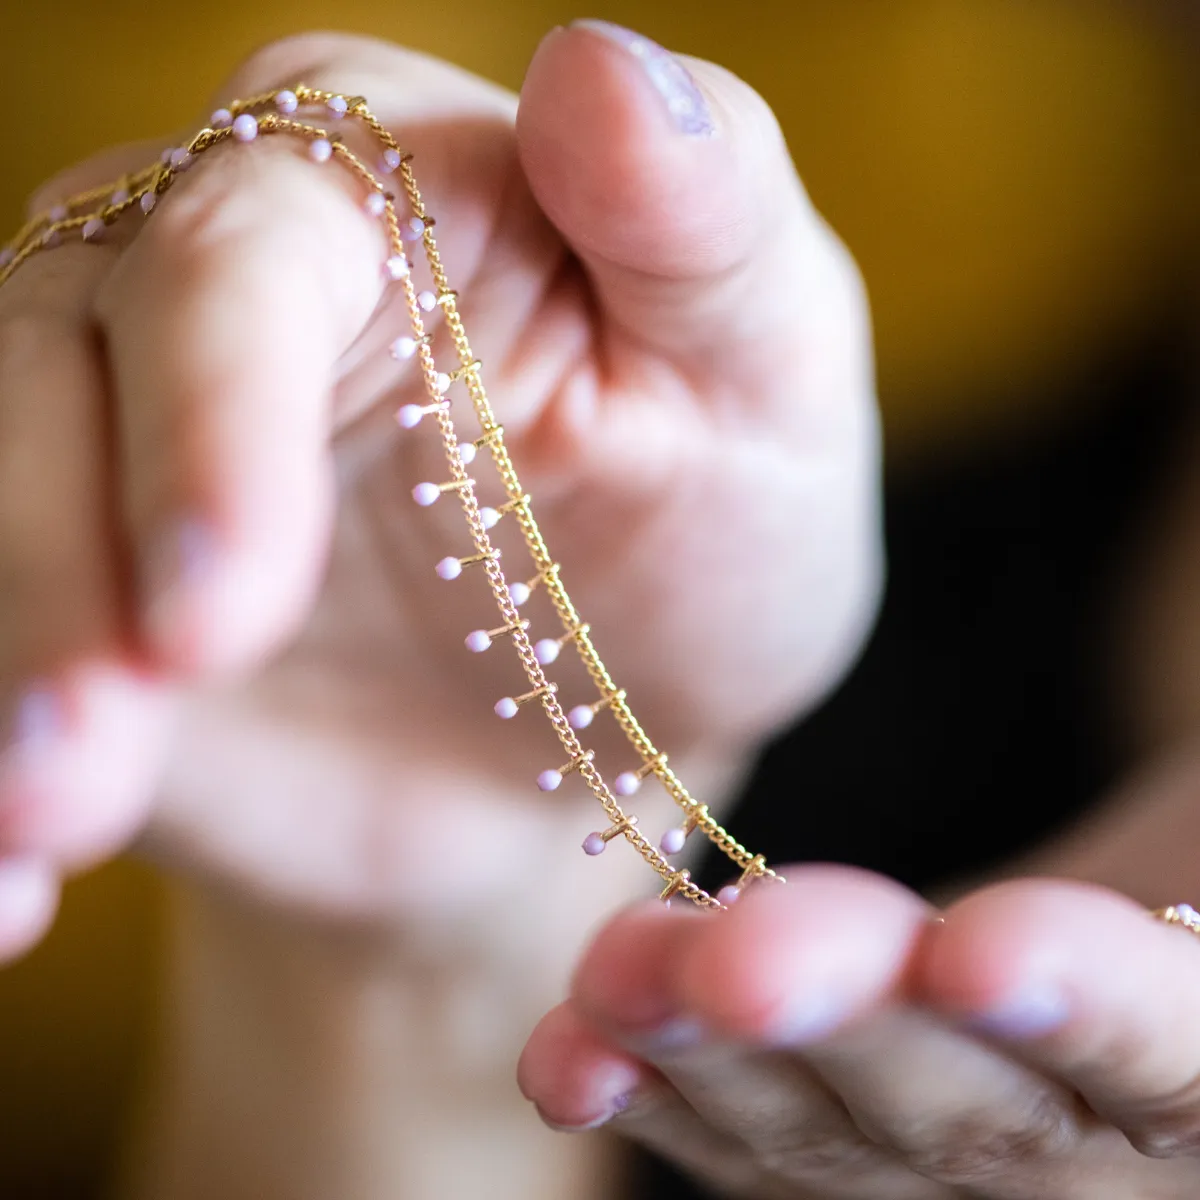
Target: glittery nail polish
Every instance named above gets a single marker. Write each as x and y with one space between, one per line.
671 79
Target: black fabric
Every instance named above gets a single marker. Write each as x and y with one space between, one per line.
978 719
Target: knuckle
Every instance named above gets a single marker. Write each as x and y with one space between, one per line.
971 1147
1168 1126
311 56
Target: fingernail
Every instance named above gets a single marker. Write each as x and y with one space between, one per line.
679 1033
808 1020
616 1106
1032 1012
175 559
670 78
36 720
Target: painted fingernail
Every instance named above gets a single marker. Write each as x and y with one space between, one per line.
177 558
1032 1012
808 1019
679 1033
670 78
615 1107
35 721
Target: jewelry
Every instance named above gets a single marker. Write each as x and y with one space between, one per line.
1179 914
87 215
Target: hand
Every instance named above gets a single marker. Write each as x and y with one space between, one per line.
832 1039
220 614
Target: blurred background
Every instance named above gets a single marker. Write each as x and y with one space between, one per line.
1019 181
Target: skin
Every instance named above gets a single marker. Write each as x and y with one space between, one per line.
224 598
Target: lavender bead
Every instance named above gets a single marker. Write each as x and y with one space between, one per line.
93 227
519 593
397 267
427 301
58 213
581 716
673 841
376 204
222 118
546 651
320 150
286 101
594 844
441 383
403 348
409 416
412 229
449 568
506 708
489 516
426 494
626 783
147 201
467 452
120 196
180 159
478 641
6 256
550 781
337 106
245 127
729 894
391 161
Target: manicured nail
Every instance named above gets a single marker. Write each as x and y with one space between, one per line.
1032 1012
670 78
177 558
679 1033
36 720
808 1019
616 1106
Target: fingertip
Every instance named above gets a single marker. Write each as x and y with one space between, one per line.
625 978
790 963
29 891
574 1077
82 788
998 957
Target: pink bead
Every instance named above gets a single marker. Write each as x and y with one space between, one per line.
58 213
478 641
245 127
147 201
467 452
519 593
449 568
180 159
626 783
92 229
490 517
426 494
376 204
320 150
409 416
120 196
397 267
550 781
391 160
581 716
594 844
729 894
546 651
337 106
507 708
222 118
441 383
286 101
412 229
427 301
673 841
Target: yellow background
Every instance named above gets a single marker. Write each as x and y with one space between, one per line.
1017 180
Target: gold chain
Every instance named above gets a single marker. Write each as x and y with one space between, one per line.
80 216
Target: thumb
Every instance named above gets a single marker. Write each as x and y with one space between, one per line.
671 181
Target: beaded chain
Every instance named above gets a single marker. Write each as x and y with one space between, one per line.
87 214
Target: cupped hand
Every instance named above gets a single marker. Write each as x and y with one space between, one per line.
220 622
835 1038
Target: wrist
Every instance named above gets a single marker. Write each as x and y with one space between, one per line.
300 1060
